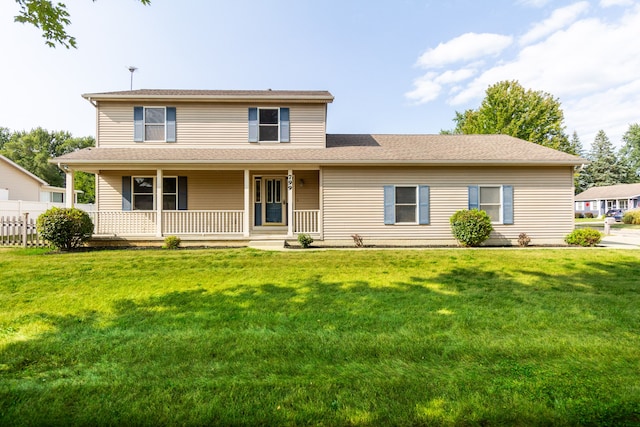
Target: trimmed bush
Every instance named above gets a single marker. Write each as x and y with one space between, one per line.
171 242
579 215
584 237
631 217
588 215
471 227
305 240
65 228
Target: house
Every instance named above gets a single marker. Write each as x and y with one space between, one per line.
209 165
598 200
17 183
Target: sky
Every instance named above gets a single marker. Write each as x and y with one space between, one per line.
401 66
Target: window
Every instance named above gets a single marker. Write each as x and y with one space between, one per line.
623 204
138 193
170 194
142 193
406 204
154 124
268 124
495 200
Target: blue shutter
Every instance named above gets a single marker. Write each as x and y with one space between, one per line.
171 124
284 125
253 124
423 204
389 205
138 124
507 204
182 193
126 193
473 197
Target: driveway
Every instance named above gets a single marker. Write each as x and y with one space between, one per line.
622 238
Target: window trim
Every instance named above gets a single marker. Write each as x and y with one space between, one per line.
177 193
140 124
416 204
283 126
145 124
501 204
276 125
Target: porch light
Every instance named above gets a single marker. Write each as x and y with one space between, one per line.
301 182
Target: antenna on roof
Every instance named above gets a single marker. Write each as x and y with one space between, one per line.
131 70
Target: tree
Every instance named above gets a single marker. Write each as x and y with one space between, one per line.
630 151
5 136
605 167
32 150
509 109
51 18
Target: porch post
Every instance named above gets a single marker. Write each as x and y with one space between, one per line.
247 201
321 204
290 201
69 190
159 202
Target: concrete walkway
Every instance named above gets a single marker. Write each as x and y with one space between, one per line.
622 239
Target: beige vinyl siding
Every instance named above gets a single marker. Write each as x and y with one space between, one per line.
20 185
354 201
307 195
211 125
206 190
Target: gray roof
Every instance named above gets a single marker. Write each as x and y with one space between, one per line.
344 149
213 95
620 191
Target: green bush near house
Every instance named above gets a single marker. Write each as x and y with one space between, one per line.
171 242
65 228
632 217
305 240
471 227
584 237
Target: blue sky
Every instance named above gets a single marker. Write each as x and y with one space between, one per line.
402 66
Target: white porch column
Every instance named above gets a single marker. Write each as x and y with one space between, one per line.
321 204
247 203
69 197
159 203
290 182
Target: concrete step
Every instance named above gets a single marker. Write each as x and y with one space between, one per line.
267 245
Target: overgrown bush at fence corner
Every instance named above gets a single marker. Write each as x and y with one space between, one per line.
65 228
471 227
584 237
631 217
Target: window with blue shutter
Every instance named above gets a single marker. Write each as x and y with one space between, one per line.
126 193
406 204
154 124
507 206
269 124
138 124
495 200
171 124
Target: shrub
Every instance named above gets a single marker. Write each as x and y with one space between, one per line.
171 242
357 240
584 237
588 215
305 240
579 215
523 240
631 217
471 227
65 228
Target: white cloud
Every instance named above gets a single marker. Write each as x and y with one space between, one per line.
591 64
426 89
534 3
559 19
466 47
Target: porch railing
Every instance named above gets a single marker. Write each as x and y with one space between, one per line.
202 222
306 221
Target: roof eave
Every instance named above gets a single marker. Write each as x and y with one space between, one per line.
309 99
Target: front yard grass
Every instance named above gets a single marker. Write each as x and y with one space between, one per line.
364 337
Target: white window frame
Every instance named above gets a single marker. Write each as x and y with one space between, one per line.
277 125
133 193
416 211
144 124
501 207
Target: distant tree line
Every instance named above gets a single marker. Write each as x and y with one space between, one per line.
32 150
537 116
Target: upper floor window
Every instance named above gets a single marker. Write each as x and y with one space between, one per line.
154 124
268 124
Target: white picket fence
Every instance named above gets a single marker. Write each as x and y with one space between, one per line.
19 231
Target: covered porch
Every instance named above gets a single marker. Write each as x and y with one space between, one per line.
200 204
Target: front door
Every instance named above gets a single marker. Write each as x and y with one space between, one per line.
275 201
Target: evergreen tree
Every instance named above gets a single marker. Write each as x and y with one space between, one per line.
630 152
605 167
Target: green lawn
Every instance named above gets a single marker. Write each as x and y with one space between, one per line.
360 337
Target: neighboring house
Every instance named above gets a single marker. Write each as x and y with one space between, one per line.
598 200
17 183
248 165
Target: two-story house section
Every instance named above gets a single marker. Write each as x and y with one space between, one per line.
211 165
